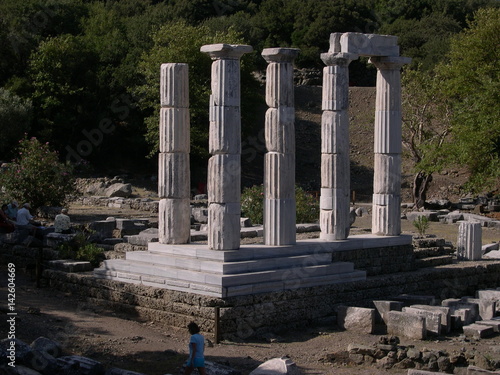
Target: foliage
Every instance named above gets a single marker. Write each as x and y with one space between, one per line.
15 119
471 81
36 176
252 205
79 248
422 224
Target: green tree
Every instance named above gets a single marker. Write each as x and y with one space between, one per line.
36 175
471 81
15 120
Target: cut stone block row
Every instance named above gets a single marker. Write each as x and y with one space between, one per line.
224 181
335 87
173 175
225 130
224 226
279 180
174 85
174 221
280 130
174 130
335 132
279 216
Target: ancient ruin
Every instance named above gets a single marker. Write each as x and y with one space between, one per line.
223 268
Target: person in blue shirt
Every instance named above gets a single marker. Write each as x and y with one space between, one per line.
196 350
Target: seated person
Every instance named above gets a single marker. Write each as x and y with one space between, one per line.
12 210
24 217
62 222
5 224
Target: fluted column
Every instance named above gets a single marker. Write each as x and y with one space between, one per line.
469 240
224 167
386 214
279 161
335 176
174 222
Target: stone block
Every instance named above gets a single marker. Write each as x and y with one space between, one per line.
491 323
200 214
387 133
225 130
369 44
279 222
118 190
335 171
68 265
455 305
224 226
277 366
174 85
335 132
491 295
335 95
386 215
443 311
56 239
280 130
469 240
493 254
478 331
174 221
103 228
357 319
279 176
174 130
473 370
279 85
334 224
383 307
226 83
387 174
224 178
173 175
336 199
407 325
487 308
432 319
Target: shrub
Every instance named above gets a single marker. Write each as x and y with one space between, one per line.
252 205
79 248
36 176
422 224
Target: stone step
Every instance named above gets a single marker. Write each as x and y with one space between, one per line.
434 261
208 278
228 268
431 252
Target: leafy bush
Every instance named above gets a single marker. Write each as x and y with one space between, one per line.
422 224
252 205
80 249
36 176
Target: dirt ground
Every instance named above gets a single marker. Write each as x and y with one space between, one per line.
154 349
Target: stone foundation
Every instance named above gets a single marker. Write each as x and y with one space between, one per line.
245 316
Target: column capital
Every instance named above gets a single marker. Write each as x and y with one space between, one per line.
389 62
226 51
338 58
280 55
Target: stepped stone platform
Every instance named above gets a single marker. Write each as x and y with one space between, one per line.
250 270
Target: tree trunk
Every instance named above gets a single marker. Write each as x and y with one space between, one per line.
420 185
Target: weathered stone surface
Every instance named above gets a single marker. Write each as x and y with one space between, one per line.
386 218
224 180
413 371
174 130
490 323
174 221
224 226
443 311
368 44
335 133
119 190
478 331
404 324
432 319
335 171
474 370
388 173
469 240
279 178
279 222
356 319
277 366
469 311
226 83
225 130
335 88
173 175
383 307
487 308
174 85
280 130
279 85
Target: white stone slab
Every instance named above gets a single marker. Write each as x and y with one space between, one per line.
478 331
368 44
407 325
443 311
432 319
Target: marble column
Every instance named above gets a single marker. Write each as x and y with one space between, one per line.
469 240
279 161
335 164
173 173
224 167
386 212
